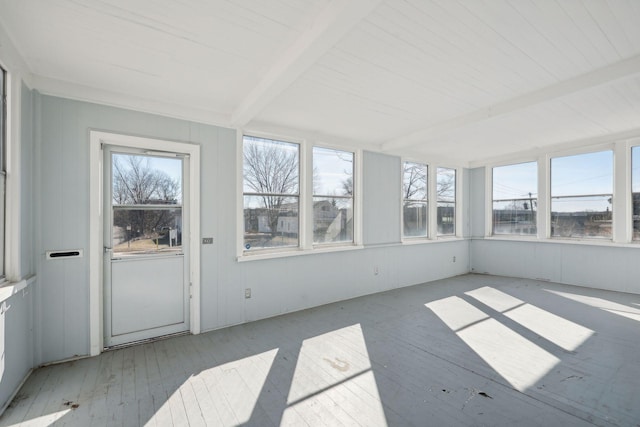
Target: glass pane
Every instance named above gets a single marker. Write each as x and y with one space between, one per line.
583 174
636 216
515 217
446 185
635 188
588 216
414 181
270 167
332 172
446 218
146 231
146 180
270 221
518 181
332 220
515 203
414 219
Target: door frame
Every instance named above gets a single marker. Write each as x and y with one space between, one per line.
96 225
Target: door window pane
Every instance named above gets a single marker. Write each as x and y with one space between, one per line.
146 204
515 199
582 195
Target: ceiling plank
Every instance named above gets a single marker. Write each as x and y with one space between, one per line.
338 18
598 77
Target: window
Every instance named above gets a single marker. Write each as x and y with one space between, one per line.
582 195
635 191
332 196
146 199
515 203
271 193
3 175
446 201
414 200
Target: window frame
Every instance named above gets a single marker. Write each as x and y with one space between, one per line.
306 245
455 203
490 181
425 200
432 202
5 207
628 179
296 195
313 195
622 223
550 196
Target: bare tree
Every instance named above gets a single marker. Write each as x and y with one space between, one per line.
135 182
270 172
415 180
347 186
446 185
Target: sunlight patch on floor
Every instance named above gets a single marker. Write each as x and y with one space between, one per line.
560 331
518 360
241 382
43 421
609 306
333 374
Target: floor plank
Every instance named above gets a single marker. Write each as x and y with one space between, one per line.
452 352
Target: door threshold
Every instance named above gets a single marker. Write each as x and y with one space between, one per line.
145 341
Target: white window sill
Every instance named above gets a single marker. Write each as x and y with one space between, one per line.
425 240
9 289
286 253
563 241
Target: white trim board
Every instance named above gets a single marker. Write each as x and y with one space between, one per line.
97 138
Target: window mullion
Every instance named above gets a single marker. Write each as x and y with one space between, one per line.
544 197
432 202
306 197
622 217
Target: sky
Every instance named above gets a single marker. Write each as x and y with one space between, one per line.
172 166
578 175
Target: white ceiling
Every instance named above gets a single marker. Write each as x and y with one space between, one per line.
459 81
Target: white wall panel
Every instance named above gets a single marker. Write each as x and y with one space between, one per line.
596 266
381 198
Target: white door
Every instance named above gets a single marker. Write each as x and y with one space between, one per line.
146 228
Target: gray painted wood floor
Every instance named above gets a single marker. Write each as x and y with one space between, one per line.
470 351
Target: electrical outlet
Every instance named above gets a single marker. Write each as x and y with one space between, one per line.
247 293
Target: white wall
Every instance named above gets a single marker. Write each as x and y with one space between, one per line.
603 267
278 285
